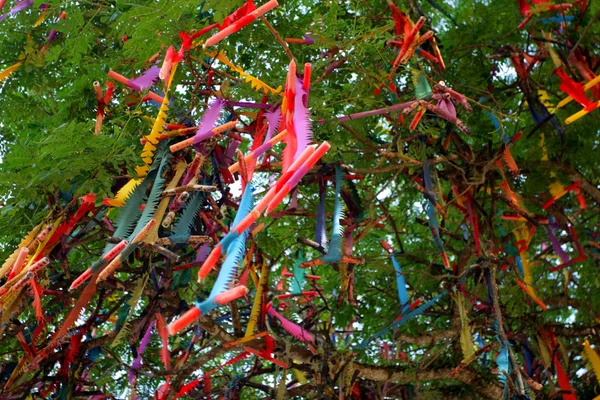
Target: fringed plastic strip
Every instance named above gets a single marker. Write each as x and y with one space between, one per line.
402 320
255 83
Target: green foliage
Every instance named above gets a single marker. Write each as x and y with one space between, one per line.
50 155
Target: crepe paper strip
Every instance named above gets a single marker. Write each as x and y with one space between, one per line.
163 390
49 349
36 239
145 80
287 105
259 151
153 96
539 7
466 336
437 53
177 132
244 339
335 252
18 265
188 387
343 260
293 329
568 393
257 306
234 246
400 283
547 343
198 138
241 12
186 44
440 112
54 32
530 292
75 312
580 62
524 237
505 187
232 236
435 233
257 229
592 83
503 362
242 22
137 362
103 100
301 120
155 134
134 244
29 349
123 194
564 258
298 281
569 263
38 265
8 71
255 83
204 30
306 155
191 176
21 283
305 293
233 361
297 175
98 91
165 69
143 344
402 320
580 199
386 110
107 257
575 90
518 218
187 318
581 256
428 182
305 40
133 86
120 78
581 113
267 357
247 104
592 358
20 6
210 116
410 31
115 250
37 301
510 161
232 294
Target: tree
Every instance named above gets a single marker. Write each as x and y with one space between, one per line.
445 246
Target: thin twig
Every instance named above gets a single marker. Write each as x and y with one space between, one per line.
282 42
583 34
